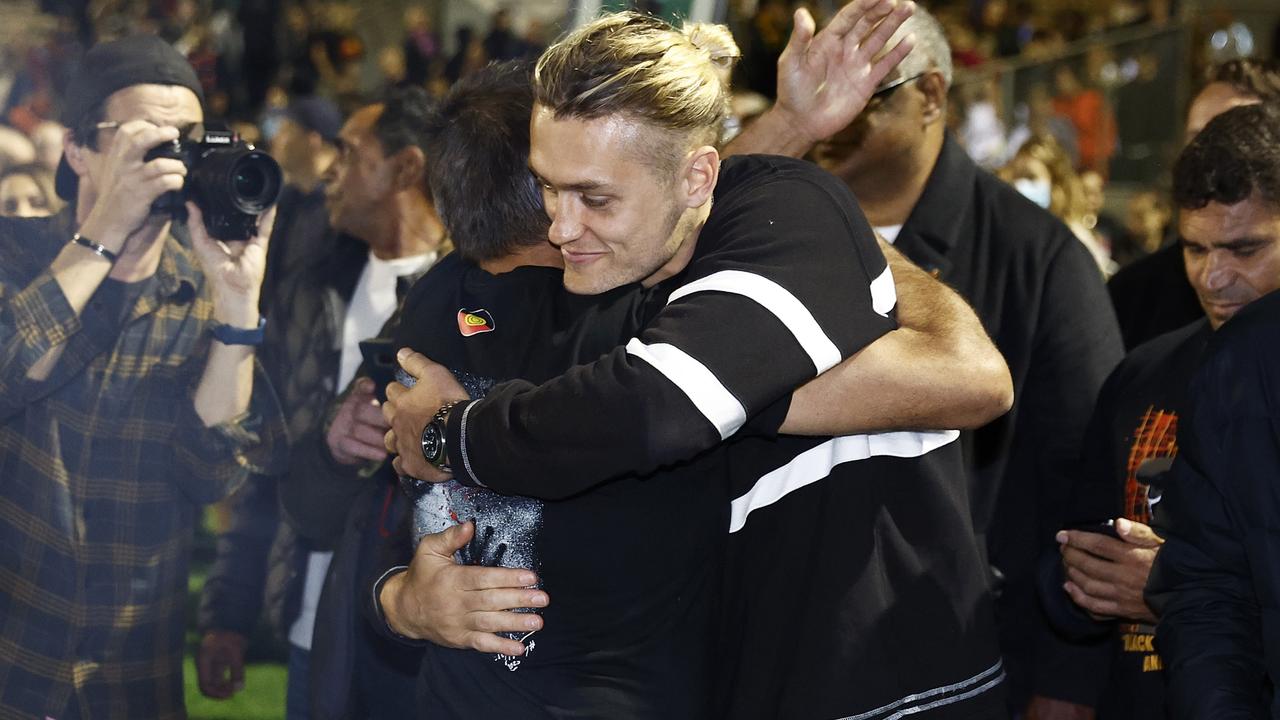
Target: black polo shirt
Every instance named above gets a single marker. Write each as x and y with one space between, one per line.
1040 296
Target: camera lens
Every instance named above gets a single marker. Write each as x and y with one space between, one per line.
255 181
249 182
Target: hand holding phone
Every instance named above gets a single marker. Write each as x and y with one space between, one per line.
1104 527
379 364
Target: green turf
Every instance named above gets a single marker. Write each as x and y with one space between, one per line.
264 676
261 699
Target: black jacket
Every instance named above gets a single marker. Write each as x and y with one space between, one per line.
1216 580
259 558
1040 296
1152 296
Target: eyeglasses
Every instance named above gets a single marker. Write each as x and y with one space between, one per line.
882 94
192 131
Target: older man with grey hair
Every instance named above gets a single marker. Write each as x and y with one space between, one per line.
1032 283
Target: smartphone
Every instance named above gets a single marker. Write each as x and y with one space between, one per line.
379 364
1107 527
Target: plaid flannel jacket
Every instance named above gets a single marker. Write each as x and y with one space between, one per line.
103 467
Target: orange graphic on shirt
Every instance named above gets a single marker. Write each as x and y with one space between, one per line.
1155 437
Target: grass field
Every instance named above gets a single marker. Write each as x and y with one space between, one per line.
261 699
264 691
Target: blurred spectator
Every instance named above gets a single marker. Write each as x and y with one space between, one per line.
391 66
469 56
421 45
332 55
1045 44
980 130
305 145
1148 94
1014 26
299 74
27 191
770 27
259 22
1108 229
1242 81
1146 222
1090 115
1124 13
1042 173
47 138
965 49
501 43
274 110
1038 116
15 148
534 39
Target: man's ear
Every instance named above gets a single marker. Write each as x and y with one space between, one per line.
75 154
934 88
702 170
409 165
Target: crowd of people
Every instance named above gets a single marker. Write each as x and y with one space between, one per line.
564 385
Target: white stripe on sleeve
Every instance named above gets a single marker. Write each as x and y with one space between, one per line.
883 294
777 300
817 462
702 387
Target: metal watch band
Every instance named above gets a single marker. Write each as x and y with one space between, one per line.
434 441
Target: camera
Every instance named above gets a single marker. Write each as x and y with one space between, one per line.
228 179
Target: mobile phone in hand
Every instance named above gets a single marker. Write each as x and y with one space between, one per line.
379 364
1105 527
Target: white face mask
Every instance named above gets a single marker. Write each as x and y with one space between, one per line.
1039 192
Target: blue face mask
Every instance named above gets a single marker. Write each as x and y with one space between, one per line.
1039 192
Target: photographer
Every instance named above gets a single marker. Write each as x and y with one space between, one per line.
126 398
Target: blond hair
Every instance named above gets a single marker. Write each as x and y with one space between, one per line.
640 66
1068 202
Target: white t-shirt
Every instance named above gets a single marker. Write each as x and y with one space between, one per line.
889 233
371 305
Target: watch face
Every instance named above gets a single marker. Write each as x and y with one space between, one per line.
433 443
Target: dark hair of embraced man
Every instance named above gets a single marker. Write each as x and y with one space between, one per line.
493 209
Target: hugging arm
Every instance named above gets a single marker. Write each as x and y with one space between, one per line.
938 370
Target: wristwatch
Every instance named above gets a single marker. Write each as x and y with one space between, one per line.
231 335
434 444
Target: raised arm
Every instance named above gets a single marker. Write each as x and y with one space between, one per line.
939 369
40 317
825 80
